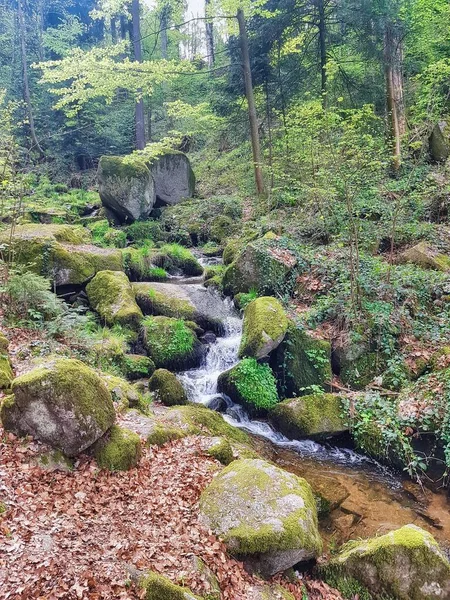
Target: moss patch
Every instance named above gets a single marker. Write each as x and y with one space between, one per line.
168 390
163 434
265 325
250 384
119 450
158 587
154 302
221 450
182 258
136 366
170 343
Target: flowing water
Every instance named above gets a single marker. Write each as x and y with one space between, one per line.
364 497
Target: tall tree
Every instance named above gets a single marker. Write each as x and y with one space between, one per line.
137 45
209 33
393 67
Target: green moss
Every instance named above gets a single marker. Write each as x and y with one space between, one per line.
360 372
6 372
170 342
182 258
231 251
261 525
315 415
250 384
169 390
158 587
3 508
111 296
214 283
221 450
124 395
265 325
199 420
119 450
301 363
136 366
163 434
155 302
124 167
213 271
4 343
221 228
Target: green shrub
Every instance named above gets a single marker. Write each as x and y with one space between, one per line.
143 231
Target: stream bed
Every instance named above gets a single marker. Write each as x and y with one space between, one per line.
363 498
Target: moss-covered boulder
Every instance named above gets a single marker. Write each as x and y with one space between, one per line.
357 364
265 515
423 255
162 434
315 416
171 343
265 266
6 372
250 384
118 450
126 187
63 253
136 366
124 394
111 296
173 176
269 592
220 449
64 403
265 325
301 363
439 142
405 564
196 419
180 257
164 299
158 587
168 390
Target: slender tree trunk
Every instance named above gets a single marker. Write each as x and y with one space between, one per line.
113 30
323 49
251 103
139 111
164 22
209 31
393 63
26 86
123 28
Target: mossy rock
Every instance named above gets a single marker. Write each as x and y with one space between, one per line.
423 255
220 449
182 258
250 384
315 416
269 592
221 228
163 300
163 434
361 371
64 403
6 372
171 343
126 187
124 394
4 343
70 264
262 266
136 366
265 515
214 283
405 564
111 296
118 450
168 390
158 587
439 142
199 420
265 325
301 363
173 175
231 251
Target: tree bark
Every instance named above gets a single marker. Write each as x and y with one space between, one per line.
251 103
164 23
26 86
323 49
209 31
139 110
393 63
113 30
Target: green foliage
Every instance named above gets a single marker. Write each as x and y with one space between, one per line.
255 383
143 232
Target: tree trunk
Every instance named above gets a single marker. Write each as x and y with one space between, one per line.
26 86
113 30
393 63
209 31
323 49
164 23
139 111
123 28
251 102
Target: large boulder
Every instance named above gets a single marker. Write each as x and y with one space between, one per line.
315 416
440 142
265 515
63 403
171 343
423 255
405 564
265 325
301 363
63 253
181 302
250 384
110 294
173 176
126 187
265 266
6 372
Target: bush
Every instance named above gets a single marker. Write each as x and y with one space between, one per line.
142 231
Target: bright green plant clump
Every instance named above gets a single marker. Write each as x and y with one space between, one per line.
251 384
182 258
170 343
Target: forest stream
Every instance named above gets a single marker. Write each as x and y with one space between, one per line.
365 498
